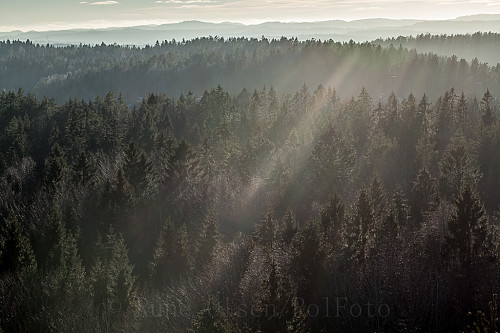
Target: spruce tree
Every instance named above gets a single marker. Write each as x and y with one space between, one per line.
207 241
488 115
287 227
113 283
16 252
55 166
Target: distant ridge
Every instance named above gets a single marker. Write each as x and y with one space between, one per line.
358 30
479 17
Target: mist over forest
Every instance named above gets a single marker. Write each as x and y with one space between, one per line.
176 67
246 184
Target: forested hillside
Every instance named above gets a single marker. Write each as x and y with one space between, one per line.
197 65
482 46
126 216
302 211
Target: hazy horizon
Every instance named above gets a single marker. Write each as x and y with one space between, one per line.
61 15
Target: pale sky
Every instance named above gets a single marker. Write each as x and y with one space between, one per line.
62 14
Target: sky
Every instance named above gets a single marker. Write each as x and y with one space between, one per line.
63 14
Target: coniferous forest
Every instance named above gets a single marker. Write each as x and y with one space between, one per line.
247 185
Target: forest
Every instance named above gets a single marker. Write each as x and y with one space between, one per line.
236 196
177 67
483 46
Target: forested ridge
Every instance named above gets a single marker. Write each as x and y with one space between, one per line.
253 210
482 46
176 67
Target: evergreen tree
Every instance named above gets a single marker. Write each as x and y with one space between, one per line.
171 259
488 115
264 231
16 252
287 227
307 265
207 241
113 283
211 319
82 170
137 170
55 166
469 237
458 168
423 195
363 224
332 222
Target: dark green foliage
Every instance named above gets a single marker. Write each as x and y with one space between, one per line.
287 227
332 162
363 225
264 231
16 252
208 240
55 167
469 243
333 222
211 319
307 264
83 170
458 168
172 258
112 279
468 227
422 195
488 114
283 204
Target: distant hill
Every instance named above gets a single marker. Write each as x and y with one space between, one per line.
483 46
359 30
480 17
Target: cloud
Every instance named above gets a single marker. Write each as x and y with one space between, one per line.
104 3
185 2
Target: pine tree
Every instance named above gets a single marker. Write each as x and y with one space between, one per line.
458 168
378 200
307 266
51 253
172 258
82 170
332 222
423 193
469 237
364 224
113 284
462 115
136 170
16 252
122 192
207 241
468 226
287 227
401 210
264 231
211 319
487 111
55 166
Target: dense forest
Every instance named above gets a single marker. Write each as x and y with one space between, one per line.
256 210
482 46
175 67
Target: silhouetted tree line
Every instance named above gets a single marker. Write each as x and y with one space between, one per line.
174 67
251 211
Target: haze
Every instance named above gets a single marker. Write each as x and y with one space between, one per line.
62 14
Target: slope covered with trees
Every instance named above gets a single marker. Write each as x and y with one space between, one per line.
234 212
171 67
482 46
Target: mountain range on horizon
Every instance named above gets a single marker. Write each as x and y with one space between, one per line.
338 30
